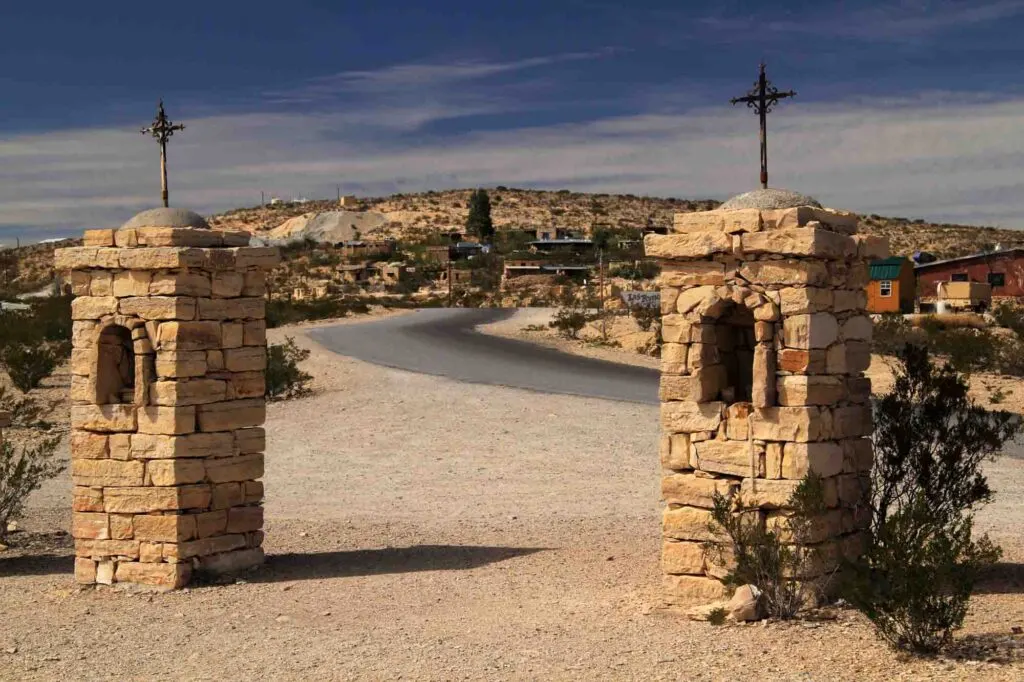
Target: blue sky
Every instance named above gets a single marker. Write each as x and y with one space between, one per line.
910 108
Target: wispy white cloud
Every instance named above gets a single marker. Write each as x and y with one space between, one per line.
907 20
931 155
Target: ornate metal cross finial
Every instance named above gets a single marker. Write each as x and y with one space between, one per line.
162 128
762 98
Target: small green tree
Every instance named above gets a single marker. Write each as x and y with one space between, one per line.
284 378
930 441
780 563
478 222
28 365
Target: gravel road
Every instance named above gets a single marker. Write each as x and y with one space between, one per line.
444 342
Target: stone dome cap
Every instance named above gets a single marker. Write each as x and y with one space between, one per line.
768 199
167 217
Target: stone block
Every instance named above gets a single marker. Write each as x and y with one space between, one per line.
773 460
153 499
101 284
245 385
159 307
185 336
786 272
215 360
798 459
187 392
802 361
698 221
686 523
226 495
824 527
106 472
803 300
872 247
763 493
254 333
166 576
178 236
145 446
180 471
693 491
732 457
696 273
858 455
90 526
227 563
690 589
227 284
701 355
782 218
667 300
800 241
858 389
858 356
233 469
852 421
857 328
98 238
690 417
736 415
131 283
248 441
85 571
85 445
84 258
160 258
103 418
232 414
87 499
206 546
682 558
211 523
805 332
686 246
244 519
674 451
674 329
101 549
849 299
703 301
121 527
167 420
84 333
93 307
263 257
231 335
120 446
810 390
793 424
252 492
763 389
181 364
191 284
165 528
255 283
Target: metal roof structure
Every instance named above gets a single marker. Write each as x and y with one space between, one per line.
886 268
1012 252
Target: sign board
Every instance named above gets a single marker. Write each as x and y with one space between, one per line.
642 299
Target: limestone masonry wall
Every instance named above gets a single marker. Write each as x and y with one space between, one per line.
168 362
765 344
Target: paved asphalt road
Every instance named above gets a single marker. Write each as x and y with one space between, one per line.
444 342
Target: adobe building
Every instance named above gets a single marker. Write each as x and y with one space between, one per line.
167 390
765 344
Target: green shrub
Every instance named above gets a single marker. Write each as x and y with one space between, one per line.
892 332
569 320
758 556
645 316
284 378
930 440
27 365
24 468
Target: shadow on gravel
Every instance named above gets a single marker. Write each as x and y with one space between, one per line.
295 566
1002 578
36 564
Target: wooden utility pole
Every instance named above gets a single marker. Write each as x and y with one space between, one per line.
162 129
761 99
449 282
600 277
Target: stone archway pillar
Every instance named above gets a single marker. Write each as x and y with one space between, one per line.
166 469
802 272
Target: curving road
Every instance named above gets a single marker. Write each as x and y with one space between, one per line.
444 342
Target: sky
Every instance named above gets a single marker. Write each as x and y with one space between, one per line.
911 108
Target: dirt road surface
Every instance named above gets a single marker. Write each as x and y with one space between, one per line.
423 528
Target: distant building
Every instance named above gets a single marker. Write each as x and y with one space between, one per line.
563 245
356 249
438 254
891 287
310 290
348 201
1003 269
355 273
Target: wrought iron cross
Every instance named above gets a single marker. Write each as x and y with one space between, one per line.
762 99
162 129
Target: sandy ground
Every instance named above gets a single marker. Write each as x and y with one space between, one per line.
420 528
523 325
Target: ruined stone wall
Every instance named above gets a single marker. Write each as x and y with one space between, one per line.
168 361
765 344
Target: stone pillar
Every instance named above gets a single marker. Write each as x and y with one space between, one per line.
168 362
5 421
765 344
